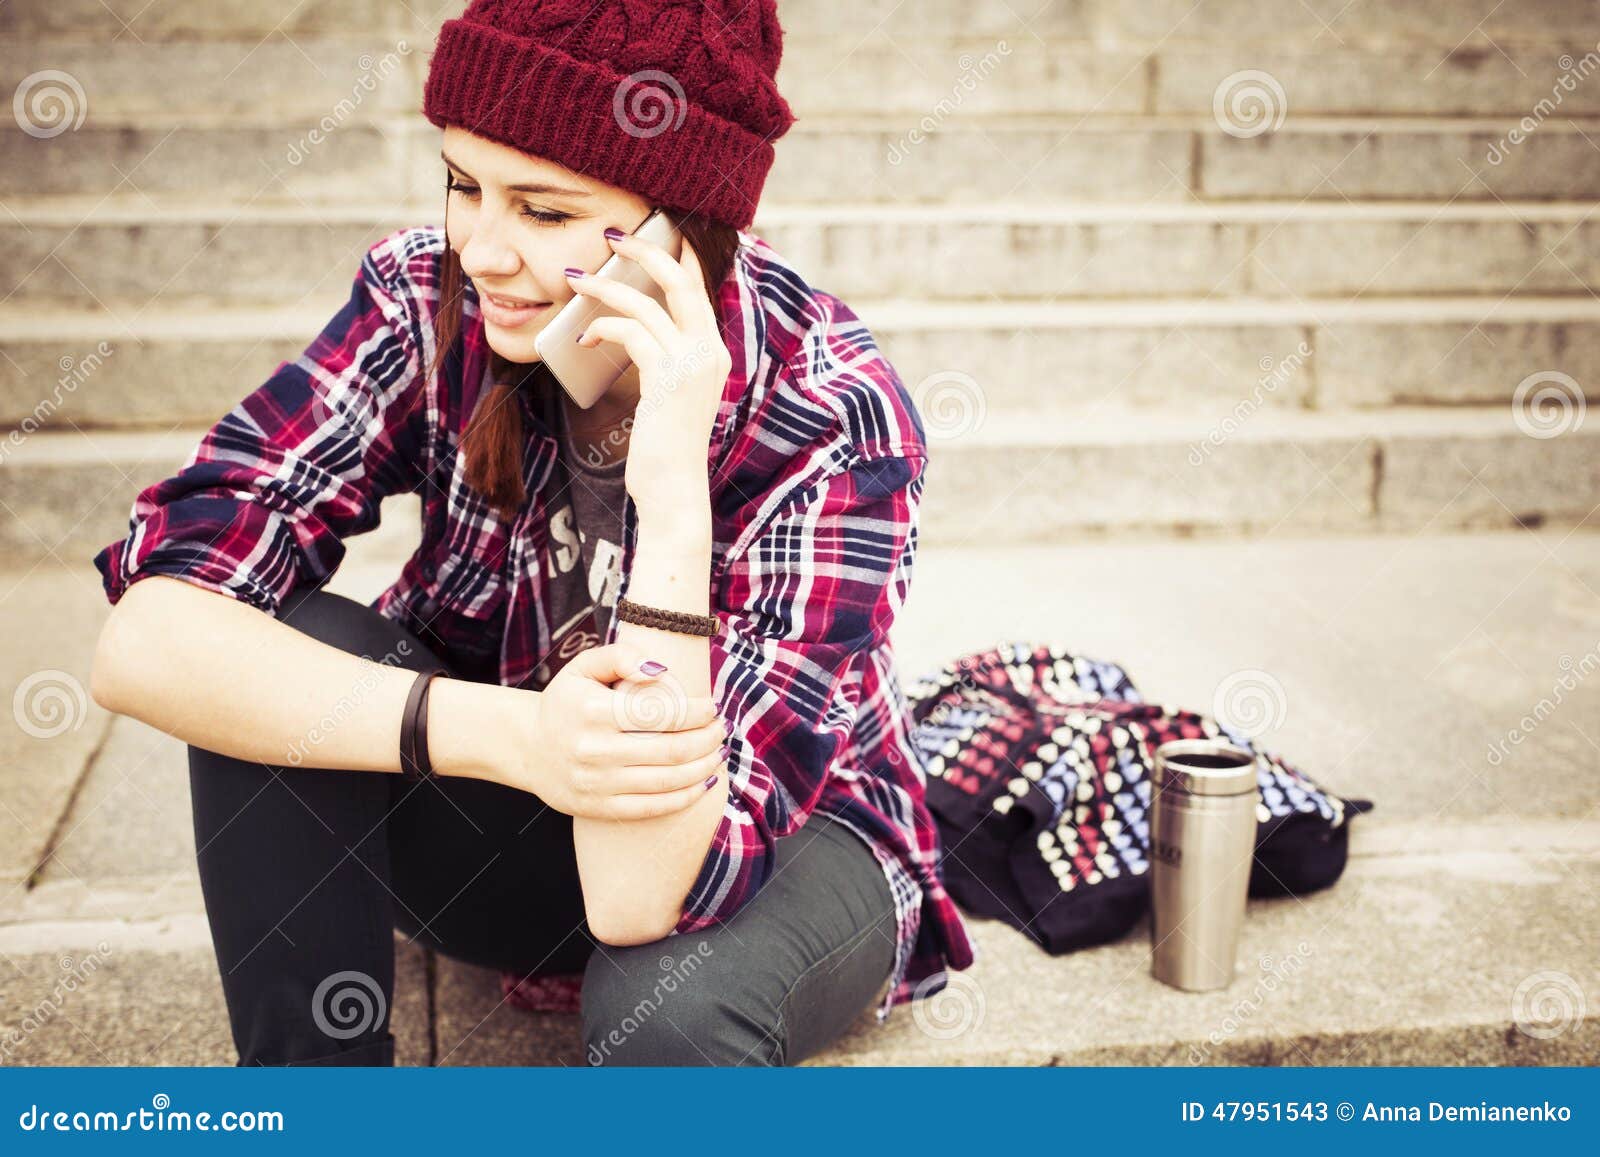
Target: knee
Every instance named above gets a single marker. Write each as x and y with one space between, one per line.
662 1004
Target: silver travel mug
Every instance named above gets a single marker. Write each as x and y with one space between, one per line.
1202 841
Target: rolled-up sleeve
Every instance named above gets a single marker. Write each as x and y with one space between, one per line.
802 607
266 497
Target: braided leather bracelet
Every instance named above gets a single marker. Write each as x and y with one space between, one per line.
415 765
679 621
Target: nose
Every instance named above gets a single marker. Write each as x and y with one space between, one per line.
486 253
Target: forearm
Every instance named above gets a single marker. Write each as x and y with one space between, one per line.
636 873
223 676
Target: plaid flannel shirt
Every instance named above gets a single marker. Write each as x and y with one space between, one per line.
816 466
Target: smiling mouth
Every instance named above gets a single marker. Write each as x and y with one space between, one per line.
512 302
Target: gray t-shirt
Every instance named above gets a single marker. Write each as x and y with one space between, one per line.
584 556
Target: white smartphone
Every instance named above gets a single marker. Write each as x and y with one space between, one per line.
586 373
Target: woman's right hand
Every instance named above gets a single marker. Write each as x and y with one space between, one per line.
634 751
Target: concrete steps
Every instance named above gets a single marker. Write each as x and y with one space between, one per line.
1328 979
1100 290
1022 74
1261 382
141 254
1177 158
134 366
1043 159
364 70
1077 259
1182 22
1486 868
135 21
1219 352
1403 469
1043 477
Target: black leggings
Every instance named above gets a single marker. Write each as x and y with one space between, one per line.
308 871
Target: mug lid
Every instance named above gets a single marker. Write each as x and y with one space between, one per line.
1204 767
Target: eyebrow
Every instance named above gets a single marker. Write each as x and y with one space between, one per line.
537 187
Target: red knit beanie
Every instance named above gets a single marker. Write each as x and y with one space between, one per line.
675 100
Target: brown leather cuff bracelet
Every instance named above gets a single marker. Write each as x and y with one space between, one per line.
414 762
682 622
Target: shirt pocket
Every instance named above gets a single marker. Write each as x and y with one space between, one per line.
465 586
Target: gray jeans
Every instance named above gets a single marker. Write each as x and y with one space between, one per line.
307 872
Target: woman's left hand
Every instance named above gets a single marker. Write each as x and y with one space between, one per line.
683 367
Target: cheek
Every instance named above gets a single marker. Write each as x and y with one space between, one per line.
552 257
546 258
458 226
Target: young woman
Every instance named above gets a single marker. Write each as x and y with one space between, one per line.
669 751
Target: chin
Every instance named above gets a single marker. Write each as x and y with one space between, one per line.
514 347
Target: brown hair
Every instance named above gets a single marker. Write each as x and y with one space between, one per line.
493 438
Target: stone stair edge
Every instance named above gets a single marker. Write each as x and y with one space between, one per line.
1474 1025
1445 844
115 120
1126 425
803 36
50 321
77 909
1144 84
1105 425
1246 309
1099 23
164 208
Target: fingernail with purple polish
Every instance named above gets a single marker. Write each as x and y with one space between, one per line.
613 232
651 667
573 271
710 779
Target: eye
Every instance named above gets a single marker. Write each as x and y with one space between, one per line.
451 185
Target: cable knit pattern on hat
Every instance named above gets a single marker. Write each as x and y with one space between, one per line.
671 99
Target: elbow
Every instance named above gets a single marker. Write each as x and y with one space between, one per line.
622 929
109 679
119 669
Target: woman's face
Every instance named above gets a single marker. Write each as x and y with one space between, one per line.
515 244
